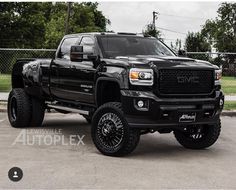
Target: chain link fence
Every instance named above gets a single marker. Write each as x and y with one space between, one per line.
9 56
227 61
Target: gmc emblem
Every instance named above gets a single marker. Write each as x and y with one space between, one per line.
188 79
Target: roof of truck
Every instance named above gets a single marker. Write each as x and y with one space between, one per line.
107 33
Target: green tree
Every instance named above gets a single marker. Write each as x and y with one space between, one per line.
151 31
196 42
22 24
42 25
221 32
55 26
84 18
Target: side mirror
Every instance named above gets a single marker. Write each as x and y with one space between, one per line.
82 53
182 53
76 53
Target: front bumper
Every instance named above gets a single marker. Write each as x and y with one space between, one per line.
165 113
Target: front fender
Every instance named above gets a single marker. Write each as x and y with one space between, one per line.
116 74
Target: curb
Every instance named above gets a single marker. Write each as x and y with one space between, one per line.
230 113
3 106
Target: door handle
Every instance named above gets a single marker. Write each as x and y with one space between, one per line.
82 70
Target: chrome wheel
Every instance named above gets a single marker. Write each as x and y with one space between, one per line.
110 130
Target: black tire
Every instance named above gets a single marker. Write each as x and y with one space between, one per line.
199 137
38 112
19 108
113 137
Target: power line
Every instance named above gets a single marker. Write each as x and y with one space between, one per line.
155 13
168 39
185 17
172 31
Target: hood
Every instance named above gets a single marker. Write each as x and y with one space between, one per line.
166 61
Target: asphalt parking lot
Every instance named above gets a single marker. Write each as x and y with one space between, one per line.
158 162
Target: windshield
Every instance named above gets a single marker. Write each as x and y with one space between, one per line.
113 46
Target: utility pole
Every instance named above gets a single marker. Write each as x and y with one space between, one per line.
154 17
68 17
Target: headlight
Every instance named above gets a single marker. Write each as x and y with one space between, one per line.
218 74
141 77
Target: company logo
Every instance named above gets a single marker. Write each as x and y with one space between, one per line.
48 137
188 79
188 117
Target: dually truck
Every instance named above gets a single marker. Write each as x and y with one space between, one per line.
126 85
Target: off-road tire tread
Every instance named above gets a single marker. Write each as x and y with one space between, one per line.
38 112
23 108
133 137
206 142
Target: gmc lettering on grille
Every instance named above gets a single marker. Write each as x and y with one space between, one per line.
185 79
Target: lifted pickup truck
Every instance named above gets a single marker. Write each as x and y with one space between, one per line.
126 85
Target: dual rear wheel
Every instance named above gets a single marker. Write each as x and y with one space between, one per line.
23 110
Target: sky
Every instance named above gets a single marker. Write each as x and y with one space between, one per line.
180 17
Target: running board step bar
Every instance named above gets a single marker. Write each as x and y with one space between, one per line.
83 112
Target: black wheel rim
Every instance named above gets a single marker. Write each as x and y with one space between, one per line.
196 132
13 108
110 131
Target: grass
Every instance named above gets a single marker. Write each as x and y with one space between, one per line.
229 85
5 83
230 105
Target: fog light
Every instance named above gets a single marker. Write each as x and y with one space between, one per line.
221 102
140 103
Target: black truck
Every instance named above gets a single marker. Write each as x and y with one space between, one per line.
126 85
